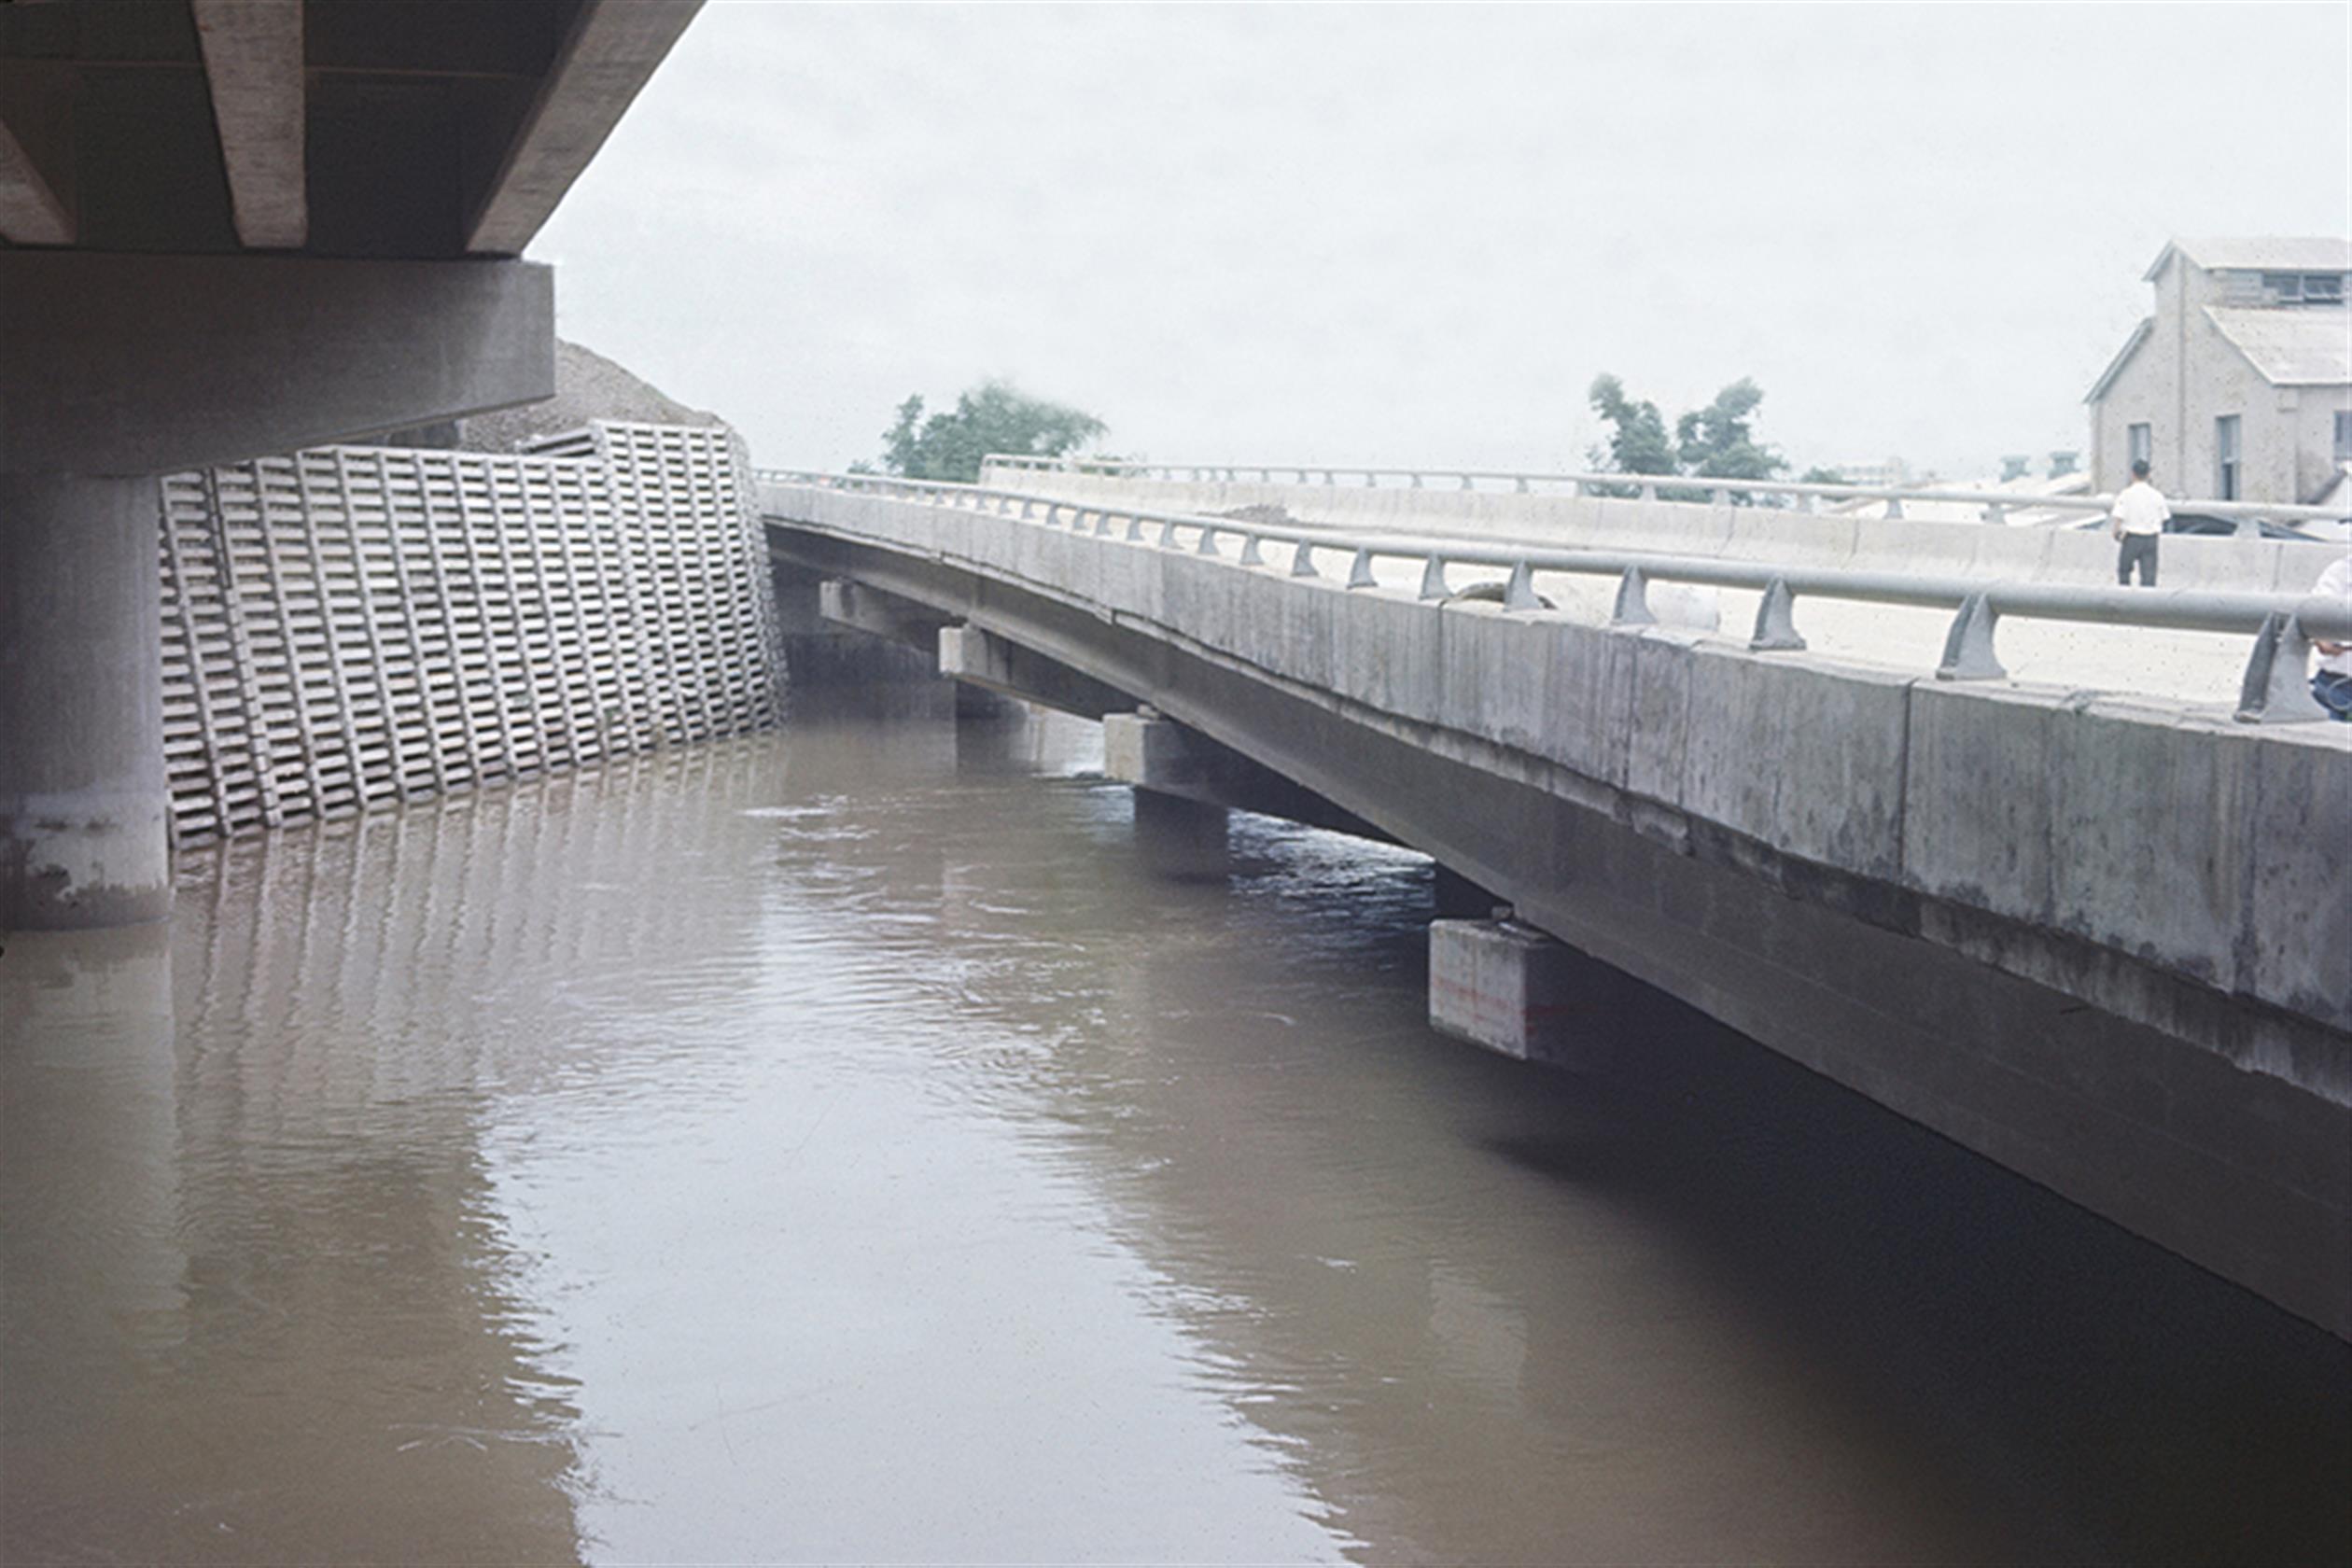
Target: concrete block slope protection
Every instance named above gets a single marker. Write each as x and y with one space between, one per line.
2001 911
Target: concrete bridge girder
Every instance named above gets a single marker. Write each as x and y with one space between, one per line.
870 610
977 657
1154 752
149 364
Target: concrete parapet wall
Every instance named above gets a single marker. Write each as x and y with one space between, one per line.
351 626
2025 554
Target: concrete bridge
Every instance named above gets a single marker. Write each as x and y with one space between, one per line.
2102 937
231 228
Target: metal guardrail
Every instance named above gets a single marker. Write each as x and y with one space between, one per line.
1996 504
2274 689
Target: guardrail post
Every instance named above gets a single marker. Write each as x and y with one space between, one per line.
1968 653
1208 540
1360 571
1416 485
1249 556
1520 593
1029 509
1775 623
2277 690
1633 600
1103 521
1720 495
1996 514
1523 485
1134 530
1809 502
1466 484
1330 478
1894 508
1434 579
1168 535
1303 561
1649 492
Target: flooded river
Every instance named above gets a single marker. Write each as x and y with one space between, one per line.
849 1144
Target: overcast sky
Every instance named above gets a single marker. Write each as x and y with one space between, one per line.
1401 235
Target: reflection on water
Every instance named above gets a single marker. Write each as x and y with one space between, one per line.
845 1145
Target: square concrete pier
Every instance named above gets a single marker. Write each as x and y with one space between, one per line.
1509 988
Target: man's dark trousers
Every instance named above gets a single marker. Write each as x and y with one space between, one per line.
2142 549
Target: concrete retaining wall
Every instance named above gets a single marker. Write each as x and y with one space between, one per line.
352 626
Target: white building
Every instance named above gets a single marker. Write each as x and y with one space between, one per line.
2240 387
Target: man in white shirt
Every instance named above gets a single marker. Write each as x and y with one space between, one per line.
2139 521
2333 682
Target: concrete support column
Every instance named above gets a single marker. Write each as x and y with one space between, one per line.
1511 989
82 792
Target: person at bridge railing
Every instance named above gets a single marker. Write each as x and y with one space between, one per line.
2139 522
2332 683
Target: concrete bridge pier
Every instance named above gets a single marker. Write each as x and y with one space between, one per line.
82 789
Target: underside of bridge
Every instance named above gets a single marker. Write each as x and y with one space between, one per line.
2156 1128
229 228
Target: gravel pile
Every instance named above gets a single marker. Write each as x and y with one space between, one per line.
588 386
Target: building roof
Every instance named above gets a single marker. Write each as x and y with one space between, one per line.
2122 356
2307 346
2270 253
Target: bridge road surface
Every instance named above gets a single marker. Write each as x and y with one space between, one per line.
2199 668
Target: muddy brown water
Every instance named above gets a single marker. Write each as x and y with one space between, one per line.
849 1145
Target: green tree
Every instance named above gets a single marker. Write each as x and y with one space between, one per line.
1637 443
1818 475
1717 441
990 417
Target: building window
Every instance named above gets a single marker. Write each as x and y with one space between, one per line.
2142 443
2323 289
2285 288
2343 435
2225 457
